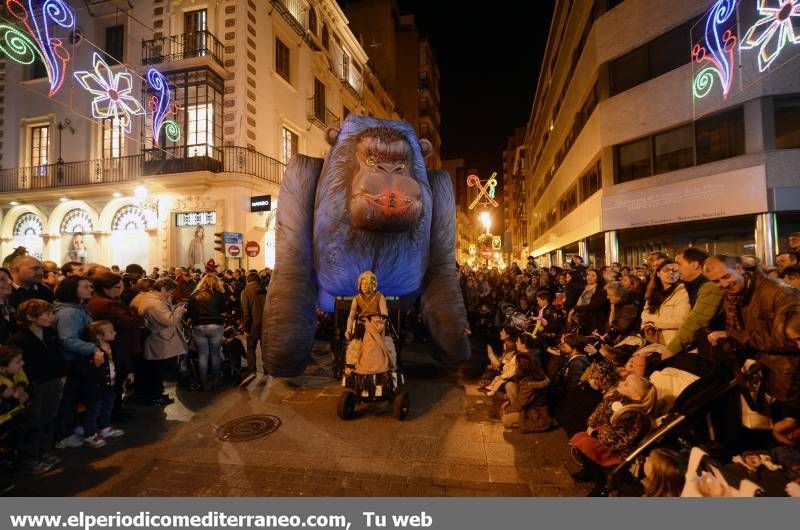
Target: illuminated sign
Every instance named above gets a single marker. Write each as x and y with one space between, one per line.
714 52
36 41
261 203
484 191
112 93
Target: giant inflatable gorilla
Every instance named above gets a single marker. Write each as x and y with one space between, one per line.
370 205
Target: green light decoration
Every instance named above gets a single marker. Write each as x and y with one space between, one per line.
17 46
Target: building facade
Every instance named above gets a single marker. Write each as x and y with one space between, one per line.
404 60
515 217
661 125
165 120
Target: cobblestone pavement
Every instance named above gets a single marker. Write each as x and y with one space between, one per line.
452 444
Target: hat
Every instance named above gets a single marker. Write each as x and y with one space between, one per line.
133 268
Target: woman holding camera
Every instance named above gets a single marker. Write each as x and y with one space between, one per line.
165 338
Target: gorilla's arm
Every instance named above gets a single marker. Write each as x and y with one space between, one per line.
290 320
441 303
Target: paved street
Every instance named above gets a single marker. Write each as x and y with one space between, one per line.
452 444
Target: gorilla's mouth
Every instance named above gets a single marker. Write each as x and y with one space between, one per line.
389 211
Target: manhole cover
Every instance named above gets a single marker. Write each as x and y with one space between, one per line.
248 428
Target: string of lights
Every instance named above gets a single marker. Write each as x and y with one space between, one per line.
111 91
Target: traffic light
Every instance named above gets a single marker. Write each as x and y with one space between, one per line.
219 242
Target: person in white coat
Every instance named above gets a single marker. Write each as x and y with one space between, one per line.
666 304
165 339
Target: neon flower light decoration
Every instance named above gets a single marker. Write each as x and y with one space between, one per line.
34 41
112 93
714 52
779 24
486 191
160 104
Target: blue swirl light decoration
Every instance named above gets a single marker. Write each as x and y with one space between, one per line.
714 52
36 41
160 104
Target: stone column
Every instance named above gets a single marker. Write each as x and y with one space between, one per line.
766 238
583 250
612 247
559 258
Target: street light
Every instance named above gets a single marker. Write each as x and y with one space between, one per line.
486 220
140 192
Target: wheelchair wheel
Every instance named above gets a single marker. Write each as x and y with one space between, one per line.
347 405
401 405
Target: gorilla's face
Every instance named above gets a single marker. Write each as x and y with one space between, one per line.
384 196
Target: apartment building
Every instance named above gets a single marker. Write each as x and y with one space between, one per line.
403 58
661 125
515 217
152 124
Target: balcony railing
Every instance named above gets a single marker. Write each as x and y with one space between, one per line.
320 115
149 163
185 46
295 12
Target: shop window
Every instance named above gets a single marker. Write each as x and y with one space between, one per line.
282 60
720 136
674 149
787 122
129 218
290 141
633 160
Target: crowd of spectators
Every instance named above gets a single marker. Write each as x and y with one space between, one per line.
609 353
81 343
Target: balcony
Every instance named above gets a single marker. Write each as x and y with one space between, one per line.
320 115
295 12
184 46
147 164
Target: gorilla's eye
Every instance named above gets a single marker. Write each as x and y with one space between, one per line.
401 166
370 161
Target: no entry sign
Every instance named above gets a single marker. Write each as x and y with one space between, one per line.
252 249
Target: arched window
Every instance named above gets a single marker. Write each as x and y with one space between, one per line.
129 218
312 20
326 38
28 224
76 220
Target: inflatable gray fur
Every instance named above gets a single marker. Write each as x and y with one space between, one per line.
370 205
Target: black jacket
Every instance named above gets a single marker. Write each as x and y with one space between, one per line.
594 315
39 291
204 309
43 359
627 314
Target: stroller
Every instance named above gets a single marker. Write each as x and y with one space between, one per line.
686 423
387 386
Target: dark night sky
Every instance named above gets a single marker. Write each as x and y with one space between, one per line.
489 55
